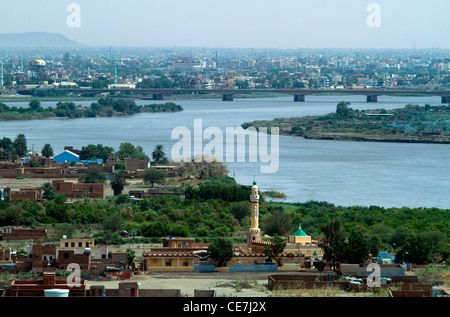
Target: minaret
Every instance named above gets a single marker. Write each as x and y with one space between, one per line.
254 233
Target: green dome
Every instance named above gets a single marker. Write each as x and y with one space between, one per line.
300 233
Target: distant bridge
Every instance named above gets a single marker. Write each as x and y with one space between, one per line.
227 94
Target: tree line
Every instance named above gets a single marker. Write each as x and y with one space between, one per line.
348 234
104 107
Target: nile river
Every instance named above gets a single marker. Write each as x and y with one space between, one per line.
339 172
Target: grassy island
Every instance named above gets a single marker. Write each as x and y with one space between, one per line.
104 107
413 123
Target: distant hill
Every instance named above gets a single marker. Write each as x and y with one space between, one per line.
35 39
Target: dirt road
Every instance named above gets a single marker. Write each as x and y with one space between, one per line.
237 284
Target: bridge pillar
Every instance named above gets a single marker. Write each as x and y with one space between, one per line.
373 98
158 97
299 98
445 99
227 97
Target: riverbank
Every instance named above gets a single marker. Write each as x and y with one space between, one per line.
69 110
412 124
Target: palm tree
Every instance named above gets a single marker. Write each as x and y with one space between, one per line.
47 151
118 183
20 145
158 154
48 191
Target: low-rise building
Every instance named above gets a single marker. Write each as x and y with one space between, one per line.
76 190
81 246
22 193
37 288
17 233
176 254
66 156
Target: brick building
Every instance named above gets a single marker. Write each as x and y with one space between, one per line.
33 194
66 257
49 281
15 233
43 257
76 190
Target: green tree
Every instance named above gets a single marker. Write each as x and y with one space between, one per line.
20 145
333 244
240 210
221 250
35 105
131 254
375 244
101 83
358 247
159 228
113 223
241 84
398 238
158 155
120 166
128 150
278 222
153 176
64 229
47 151
342 109
93 175
275 249
6 146
57 208
48 191
91 152
423 247
118 183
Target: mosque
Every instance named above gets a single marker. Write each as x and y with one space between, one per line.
184 254
299 243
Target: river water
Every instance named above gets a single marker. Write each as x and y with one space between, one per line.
339 172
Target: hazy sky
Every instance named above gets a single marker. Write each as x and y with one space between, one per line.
237 23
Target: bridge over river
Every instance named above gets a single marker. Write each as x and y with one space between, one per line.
227 94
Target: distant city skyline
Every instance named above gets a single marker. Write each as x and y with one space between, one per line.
377 24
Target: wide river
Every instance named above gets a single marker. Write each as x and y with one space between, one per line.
339 172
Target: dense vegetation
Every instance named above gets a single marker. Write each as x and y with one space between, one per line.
221 209
409 124
104 107
422 233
